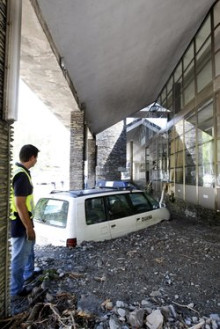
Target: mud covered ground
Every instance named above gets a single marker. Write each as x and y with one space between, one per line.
175 262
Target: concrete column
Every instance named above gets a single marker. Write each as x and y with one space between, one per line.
77 150
111 152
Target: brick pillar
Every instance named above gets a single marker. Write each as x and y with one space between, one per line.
77 150
111 152
91 161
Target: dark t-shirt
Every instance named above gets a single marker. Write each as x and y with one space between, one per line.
22 187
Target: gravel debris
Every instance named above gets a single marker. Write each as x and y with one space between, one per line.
165 276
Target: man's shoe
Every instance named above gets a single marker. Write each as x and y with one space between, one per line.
24 292
36 272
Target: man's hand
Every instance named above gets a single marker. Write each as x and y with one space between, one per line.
30 233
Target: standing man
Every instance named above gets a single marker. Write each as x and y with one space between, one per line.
22 230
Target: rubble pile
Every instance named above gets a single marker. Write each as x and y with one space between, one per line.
64 311
166 276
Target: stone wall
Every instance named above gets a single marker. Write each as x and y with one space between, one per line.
4 178
111 152
91 162
77 150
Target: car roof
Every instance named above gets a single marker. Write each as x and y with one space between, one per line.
81 193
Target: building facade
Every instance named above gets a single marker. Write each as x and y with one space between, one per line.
186 154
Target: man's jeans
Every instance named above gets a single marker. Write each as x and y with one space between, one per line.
22 262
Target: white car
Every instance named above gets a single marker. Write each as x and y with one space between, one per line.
69 218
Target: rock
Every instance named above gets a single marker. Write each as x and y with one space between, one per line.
114 323
155 320
120 304
136 318
155 294
121 312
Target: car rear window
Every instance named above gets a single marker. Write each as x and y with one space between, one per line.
51 212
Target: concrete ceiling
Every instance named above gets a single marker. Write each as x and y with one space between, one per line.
117 53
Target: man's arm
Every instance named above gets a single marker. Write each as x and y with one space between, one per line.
24 216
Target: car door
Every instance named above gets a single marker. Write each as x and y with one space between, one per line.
120 215
147 212
92 223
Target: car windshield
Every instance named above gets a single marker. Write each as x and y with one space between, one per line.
51 212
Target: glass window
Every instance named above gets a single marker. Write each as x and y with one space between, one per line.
218 175
177 96
172 161
204 137
189 86
163 96
190 125
205 123
217 50
190 173
170 101
172 173
188 57
170 85
95 211
118 206
179 159
205 113
217 14
206 176
217 63
218 150
204 66
190 121
179 128
190 138
51 212
153 202
206 153
179 143
179 175
218 125
178 73
190 156
203 33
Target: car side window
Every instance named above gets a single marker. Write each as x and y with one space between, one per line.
118 206
95 211
155 203
52 212
140 202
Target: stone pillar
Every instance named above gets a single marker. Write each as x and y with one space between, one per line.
77 150
111 152
91 161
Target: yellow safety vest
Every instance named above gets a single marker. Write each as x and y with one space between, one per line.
29 199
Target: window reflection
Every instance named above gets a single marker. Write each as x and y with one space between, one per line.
190 175
206 153
206 175
179 175
190 138
190 156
